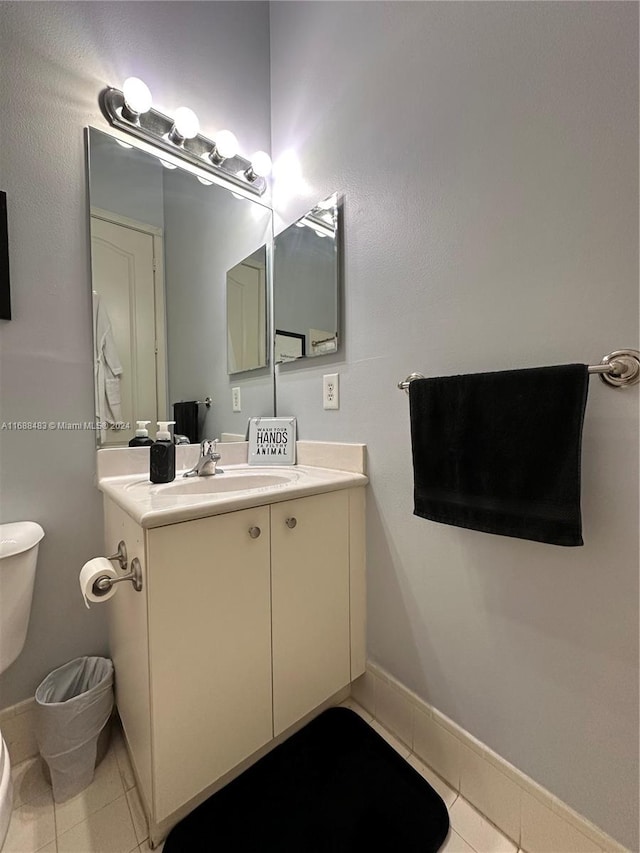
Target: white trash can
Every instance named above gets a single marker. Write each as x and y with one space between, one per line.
73 705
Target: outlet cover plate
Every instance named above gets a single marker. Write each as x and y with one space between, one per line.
236 404
331 391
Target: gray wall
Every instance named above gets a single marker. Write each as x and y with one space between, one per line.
488 153
55 58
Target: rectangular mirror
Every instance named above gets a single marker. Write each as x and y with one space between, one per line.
306 284
165 249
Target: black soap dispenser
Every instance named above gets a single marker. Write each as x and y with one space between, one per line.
163 455
141 438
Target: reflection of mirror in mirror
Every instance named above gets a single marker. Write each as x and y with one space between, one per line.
247 313
306 267
162 245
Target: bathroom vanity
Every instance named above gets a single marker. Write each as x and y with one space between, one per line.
250 620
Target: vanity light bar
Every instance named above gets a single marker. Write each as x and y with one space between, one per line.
160 130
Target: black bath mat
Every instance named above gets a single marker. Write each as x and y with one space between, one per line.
333 787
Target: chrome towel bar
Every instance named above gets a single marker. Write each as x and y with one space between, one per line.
620 368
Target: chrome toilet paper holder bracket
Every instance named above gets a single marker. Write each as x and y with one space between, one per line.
121 555
103 584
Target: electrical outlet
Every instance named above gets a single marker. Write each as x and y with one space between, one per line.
235 400
331 391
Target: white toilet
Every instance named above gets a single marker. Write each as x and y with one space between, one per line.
18 555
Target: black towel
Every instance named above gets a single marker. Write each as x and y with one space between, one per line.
186 417
500 452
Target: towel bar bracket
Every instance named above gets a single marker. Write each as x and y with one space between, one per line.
404 386
619 368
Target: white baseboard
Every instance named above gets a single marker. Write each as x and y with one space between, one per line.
535 819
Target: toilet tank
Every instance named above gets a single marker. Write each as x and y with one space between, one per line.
18 555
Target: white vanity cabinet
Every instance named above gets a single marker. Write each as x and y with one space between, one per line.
247 622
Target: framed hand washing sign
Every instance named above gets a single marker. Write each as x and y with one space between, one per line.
272 441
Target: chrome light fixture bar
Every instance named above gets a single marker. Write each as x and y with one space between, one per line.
161 131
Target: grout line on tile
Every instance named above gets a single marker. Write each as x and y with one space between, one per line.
435 773
488 821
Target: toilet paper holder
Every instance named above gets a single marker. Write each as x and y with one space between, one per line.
103 584
121 555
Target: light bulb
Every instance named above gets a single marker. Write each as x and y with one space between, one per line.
137 97
168 165
226 144
261 164
185 125
204 181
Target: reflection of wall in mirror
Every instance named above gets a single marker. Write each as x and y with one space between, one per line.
305 285
208 232
125 181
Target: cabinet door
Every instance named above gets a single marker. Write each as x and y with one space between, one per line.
210 650
310 603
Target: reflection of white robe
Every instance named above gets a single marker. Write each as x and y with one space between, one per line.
107 368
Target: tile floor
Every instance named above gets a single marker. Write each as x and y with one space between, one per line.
107 816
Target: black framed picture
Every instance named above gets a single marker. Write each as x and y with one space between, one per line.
288 346
5 293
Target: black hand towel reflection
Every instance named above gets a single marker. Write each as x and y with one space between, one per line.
185 414
500 452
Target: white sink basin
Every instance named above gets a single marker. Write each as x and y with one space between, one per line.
222 483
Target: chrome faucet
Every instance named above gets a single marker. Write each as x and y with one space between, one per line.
209 458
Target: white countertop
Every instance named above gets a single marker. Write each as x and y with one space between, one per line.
156 505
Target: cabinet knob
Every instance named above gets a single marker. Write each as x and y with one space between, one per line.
291 522
254 532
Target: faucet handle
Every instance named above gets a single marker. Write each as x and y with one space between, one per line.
208 446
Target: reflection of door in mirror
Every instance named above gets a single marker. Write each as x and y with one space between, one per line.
128 321
246 314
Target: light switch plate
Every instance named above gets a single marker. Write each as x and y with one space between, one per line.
331 391
236 404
